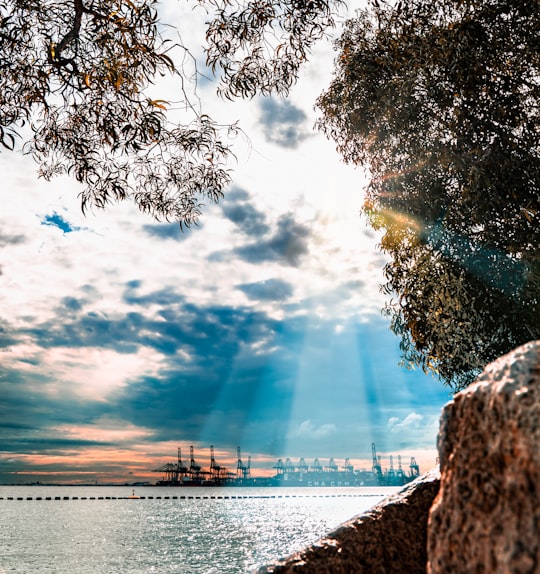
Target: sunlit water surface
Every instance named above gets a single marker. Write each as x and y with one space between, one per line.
181 536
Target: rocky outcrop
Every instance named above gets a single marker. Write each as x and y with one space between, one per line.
388 539
486 518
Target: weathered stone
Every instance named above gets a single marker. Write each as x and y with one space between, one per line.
486 518
388 539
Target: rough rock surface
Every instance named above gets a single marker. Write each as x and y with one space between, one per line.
486 518
388 539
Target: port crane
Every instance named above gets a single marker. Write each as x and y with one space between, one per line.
391 472
194 469
242 470
377 470
217 472
415 469
332 466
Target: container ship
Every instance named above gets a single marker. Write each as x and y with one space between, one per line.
287 473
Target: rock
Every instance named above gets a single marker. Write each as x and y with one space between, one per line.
388 539
486 517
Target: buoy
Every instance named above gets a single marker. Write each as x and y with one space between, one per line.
133 495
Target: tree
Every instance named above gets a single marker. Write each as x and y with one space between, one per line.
79 75
258 46
440 100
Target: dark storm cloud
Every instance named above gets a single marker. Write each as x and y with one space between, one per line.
201 332
283 123
286 245
87 330
74 304
269 290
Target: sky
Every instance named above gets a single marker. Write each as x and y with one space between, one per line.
122 338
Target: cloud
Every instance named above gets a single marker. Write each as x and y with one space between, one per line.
411 421
283 123
72 304
8 335
287 245
7 239
415 429
247 219
308 430
181 370
165 298
269 290
200 374
236 194
168 231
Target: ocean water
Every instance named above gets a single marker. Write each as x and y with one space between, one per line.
210 531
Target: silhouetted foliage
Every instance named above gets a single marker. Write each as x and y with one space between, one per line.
440 100
258 46
77 73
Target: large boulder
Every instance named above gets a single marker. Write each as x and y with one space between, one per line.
388 539
486 518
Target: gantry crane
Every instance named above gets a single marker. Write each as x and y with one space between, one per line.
415 469
348 467
332 466
242 470
377 470
400 472
279 466
216 472
391 472
181 468
194 469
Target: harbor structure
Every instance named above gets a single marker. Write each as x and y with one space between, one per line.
287 473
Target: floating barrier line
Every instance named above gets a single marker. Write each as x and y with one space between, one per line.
224 497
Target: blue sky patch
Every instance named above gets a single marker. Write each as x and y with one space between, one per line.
56 220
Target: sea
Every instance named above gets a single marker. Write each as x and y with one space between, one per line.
167 530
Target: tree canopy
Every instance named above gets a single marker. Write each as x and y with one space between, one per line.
440 100
258 46
79 75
